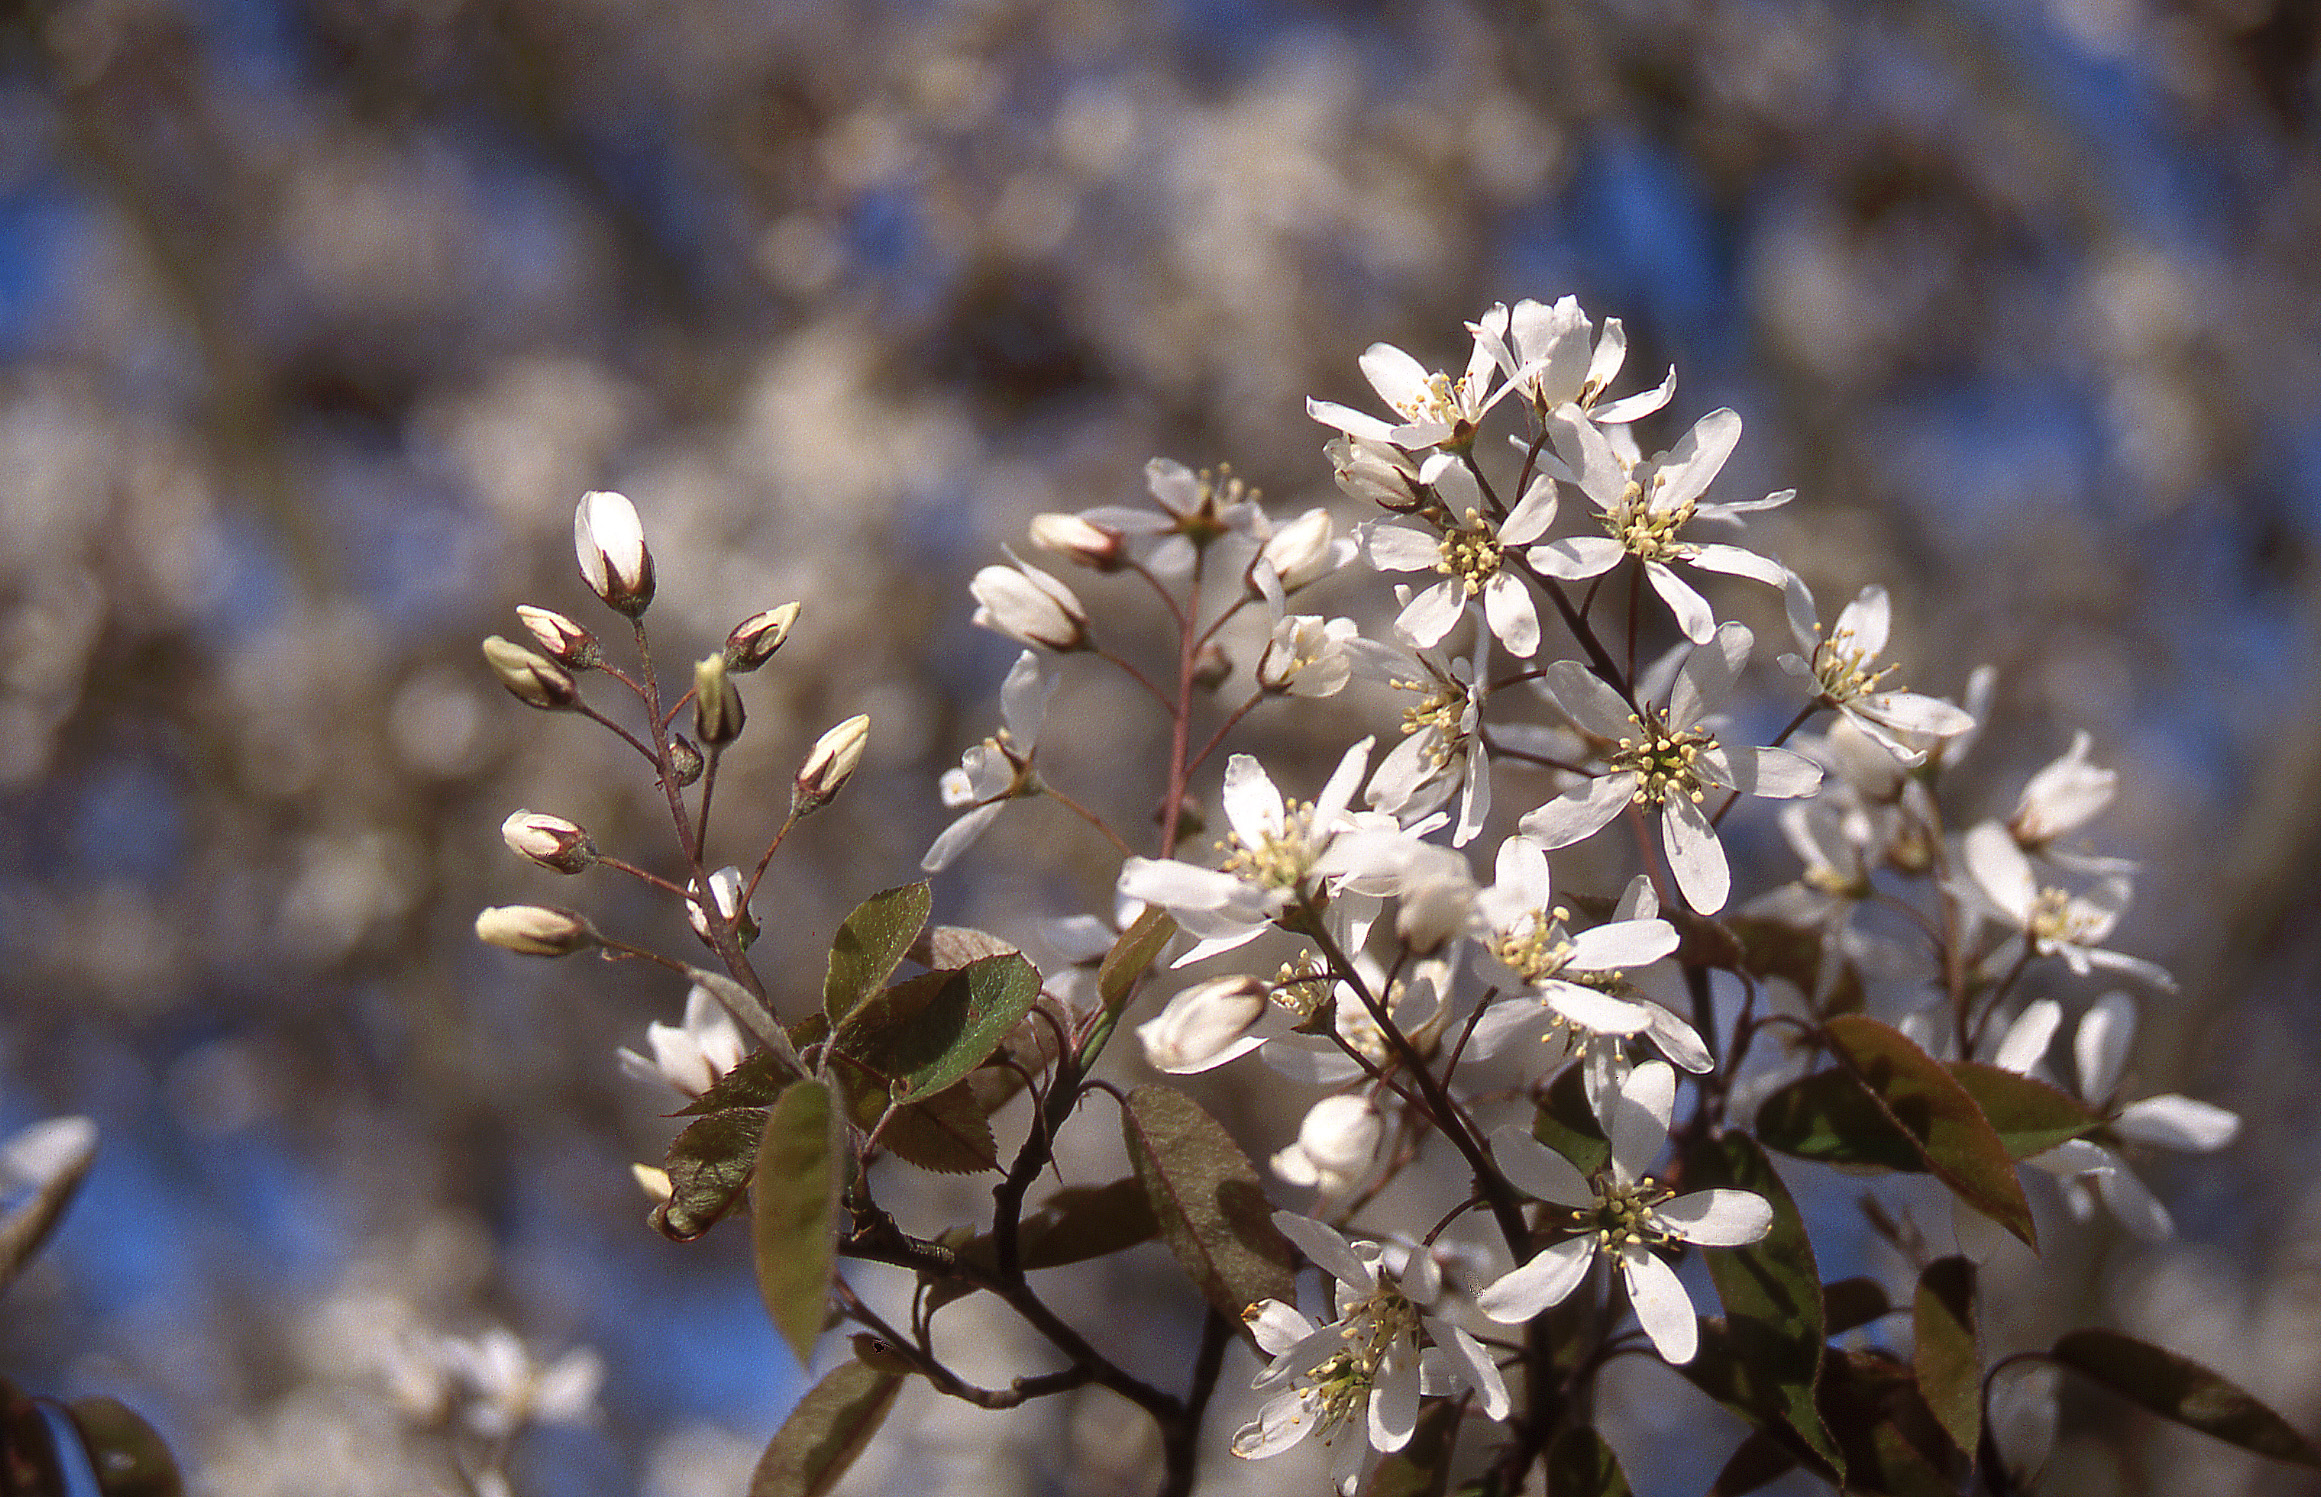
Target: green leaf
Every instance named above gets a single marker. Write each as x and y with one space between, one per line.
869 944
829 1428
1918 1118
949 1133
794 1207
708 1166
1565 1123
1947 1355
1772 1295
1139 947
754 1083
948 947
1760 1459
922 1035
1892 1442
1205 1194
2030 1116
1580 1464
131 1458
2180 1389
1421 1468
1849 1303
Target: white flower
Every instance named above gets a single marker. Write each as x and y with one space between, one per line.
510 1389
2062 798
1843 667
725 888
999 769
1415 1003
1336 1145
1378 472
1436 410
1545 352
690 1056
2053 921
1307 657
1441 753
1277 855
1356 1381
609 542
1469 549
1192 510
1665 758
1205 1026
1645 505
1623 1214
1029 606
2099 1052
1302 552
1567 986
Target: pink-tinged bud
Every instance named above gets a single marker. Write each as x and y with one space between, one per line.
835 757
552 842
609 541
534 930
725 890
717 714
754 640
685 761
1204 1026
1306 550
531 678
561 639
1029 606
1089 544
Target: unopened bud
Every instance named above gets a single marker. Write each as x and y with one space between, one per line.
550 841
1089 544
1204 1026
609 542
754 640
1028 605
1211 667
685 761
534 930
561 639
717 714
1306 550
1374 471
832 763
725 891
532 678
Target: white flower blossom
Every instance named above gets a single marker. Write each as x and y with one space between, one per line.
2053 921
1441 753
999 769
1206 1026
1190 511
690 1056
1307 657
1029 606
1436 410
1302 552
1842 665
1545 352
609 542
1664 757
1622 1215
1469 548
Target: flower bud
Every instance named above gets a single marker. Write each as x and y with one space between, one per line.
552 842
1305 550
717 714
532 678
1204 1026
1089 544
1212 667
561 639
1026 604
1335 1145
1373 471
832 763
534 930
685 760
725 888
609 541
754 640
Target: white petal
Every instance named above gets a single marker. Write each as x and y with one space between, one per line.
959 836
2000 870
1708 673
1529 520
1734 561
1717 1218
1662 1306
1401 548
1278 1326
1623 943
1679 1041
1507 605
1398 378
1578 814
1587 701
1433 613
1283 1422
1575 558
1636 1119
2136 1207
1519 1017
1775 773
1330 1252
2027 1038
1598 1013
1471 1363
1694 855
1548 1279
2100 1047
2177 1122
1253 806
1394 1401
1693 614
1691 465
1537 1170
1023 698
1352 422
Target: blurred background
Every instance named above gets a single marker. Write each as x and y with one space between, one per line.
318 316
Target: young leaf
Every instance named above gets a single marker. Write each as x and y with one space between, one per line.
708 1166
1580 1464
945 947
949 1133
1828 1117
1957 1141
1946 1354
794 1206
1205 1195
1139 947
922 1035
2031 1117
831 1426
1892 1442
2180 1389
869 943
754 1083
1565 1123
1772 1295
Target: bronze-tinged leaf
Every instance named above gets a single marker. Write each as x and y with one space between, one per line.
926 1033
1580 1464
131 1458
708 1166
949 1133
1772 1295
2179 1389
2030 1116
1565 1123
794 1208
947 947
1775 948
1947 1355
1759 1460
1421 1468
870 943
1892 1442
829 1428
754 1083
1828 1116
1205 1194
1850 1303
1139 947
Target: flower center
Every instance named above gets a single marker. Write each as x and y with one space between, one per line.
1281 859
1441 710
1538 951
1644 531
1623 1215
1446 401
1843 668
1470 553
2056 919
1662 759
1302 987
